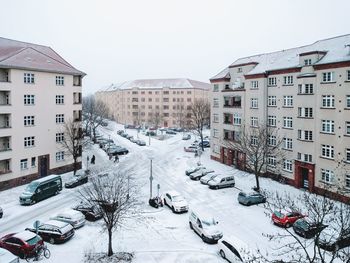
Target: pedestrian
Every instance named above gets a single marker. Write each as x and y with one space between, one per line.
116 159
110 156
93 159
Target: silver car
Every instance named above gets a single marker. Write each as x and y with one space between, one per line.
73 217
222 181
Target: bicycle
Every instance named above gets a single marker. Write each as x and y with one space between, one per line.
39 253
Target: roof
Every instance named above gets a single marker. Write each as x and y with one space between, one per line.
57 223
22 55
46 178
25 235
178 83
336 49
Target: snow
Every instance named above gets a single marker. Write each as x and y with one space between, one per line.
6 256
25 235
160 235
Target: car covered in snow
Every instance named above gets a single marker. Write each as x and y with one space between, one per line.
186 137
192 148
54 231
285 219
205 225
78 179
141 143
305 227
175 201
91 213
200 173
194 169
206 178
331 240
73 217
222 181
251 198
206 144
7 257
21 244
231 249
117 150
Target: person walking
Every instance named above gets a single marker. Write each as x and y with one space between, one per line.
93 159
116 159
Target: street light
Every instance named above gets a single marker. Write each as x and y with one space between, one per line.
150 179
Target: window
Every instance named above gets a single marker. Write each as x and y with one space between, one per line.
165 114
287 143
348 75
165 99
188 99
24 164
327 151
271 161
327 126
239 70
59 80
59 99
305 135
59 118
347 101
271 140
29 141
254 103
288 165
216 87
271 101
29 100
271 81
347 128
347 155
59 156
305 157
287 122
254 140
166 92
216 148
60 137
33 161
306 89
307 62
327 175
215 103
215 133
165 107
288 101
328 76
254 84
237 119
189 92
288 80
347 180
216 118
305 112
271 121
29 78
28 120
254 121
328 101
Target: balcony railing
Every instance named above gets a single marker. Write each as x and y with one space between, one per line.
5 171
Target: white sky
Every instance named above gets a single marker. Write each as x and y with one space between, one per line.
115 41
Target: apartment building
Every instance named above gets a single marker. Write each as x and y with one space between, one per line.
39 91
303 92
149 101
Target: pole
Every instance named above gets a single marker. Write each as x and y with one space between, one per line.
150 180
149 138
128 195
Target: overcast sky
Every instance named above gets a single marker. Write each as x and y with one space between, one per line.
114 41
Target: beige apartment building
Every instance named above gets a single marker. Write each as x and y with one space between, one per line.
39 91
303 92
150 101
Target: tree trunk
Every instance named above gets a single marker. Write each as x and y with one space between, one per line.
257 181
110 249
75 166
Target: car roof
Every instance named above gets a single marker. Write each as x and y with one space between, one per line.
236 243
25 235
69 212
203 214
57 223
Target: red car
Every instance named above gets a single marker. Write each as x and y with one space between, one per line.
286 219
22 244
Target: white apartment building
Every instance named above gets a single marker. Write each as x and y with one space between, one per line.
137 102
39 91
303 92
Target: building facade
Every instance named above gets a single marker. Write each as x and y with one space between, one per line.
165 102
303 92
39 91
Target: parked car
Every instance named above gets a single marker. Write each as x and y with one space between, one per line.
120 132
54 231
251 198
1 212
129 126
191 148
306 228
286 219
193 169
141 143
7 257
104 123
91 213
78 179
205 226
117 150
329 241
200 173
21 244
124 135
175 201
41 189
186 137
222 181
229 251
206 178
129 137
151 133
168 131
73 217
206 144
134 140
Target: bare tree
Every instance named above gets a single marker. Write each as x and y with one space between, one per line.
200 116
156 118
260 147
95 111
72 140
321 212
115 195
181 115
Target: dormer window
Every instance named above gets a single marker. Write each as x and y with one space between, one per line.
307 62
239 70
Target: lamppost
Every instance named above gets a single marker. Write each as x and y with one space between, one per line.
150 179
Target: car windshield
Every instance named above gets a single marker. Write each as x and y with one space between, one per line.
32 187
177 198
33 240
209 222
303 224
278 214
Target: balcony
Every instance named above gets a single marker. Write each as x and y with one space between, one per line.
233 102
4 75
77 98
5 121
77 81
228 118
77 115
5 143
5 166
231 135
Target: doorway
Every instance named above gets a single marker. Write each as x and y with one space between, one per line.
305 178
43 165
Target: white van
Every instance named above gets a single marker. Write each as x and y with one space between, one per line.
222 181
205 226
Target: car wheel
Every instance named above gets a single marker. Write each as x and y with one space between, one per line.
249 204
52 240
222 253
191 226
217 187
203 237
287 225
172 208
33 202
